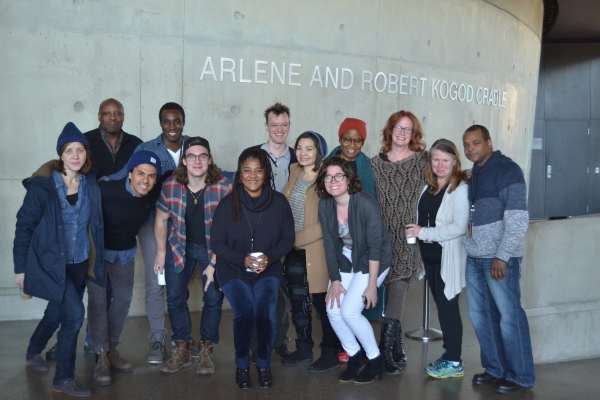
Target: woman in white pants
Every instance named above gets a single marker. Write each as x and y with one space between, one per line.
358 252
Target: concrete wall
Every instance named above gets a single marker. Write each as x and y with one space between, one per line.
560 275
62 58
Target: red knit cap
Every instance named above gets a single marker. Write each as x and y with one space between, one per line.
353 123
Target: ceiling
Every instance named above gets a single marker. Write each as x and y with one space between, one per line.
575 21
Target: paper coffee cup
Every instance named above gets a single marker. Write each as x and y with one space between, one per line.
161 278
411 240
256 255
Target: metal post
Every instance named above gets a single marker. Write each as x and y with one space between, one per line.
425 333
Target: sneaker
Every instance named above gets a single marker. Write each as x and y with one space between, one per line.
38 362
439 360
436 362
445 369
157 350
72 387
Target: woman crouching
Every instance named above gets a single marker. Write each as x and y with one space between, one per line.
358 252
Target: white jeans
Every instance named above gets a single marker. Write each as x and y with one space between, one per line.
347 320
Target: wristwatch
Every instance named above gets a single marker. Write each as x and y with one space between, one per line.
211 264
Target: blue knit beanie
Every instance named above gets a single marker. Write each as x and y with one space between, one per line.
70 134
144 157
322 143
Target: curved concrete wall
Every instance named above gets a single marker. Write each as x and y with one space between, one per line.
450 62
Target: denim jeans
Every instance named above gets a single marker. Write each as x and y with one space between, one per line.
253 305
499 321
69 315
178 294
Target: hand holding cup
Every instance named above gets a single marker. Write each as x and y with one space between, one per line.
256 262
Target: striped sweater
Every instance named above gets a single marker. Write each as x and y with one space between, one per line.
500 219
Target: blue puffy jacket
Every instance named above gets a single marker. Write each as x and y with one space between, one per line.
39 246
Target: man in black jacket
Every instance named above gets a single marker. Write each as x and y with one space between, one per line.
111 147
126 205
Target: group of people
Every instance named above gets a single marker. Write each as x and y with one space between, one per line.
291 228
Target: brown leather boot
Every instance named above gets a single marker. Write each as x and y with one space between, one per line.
116 361
180 357
102 370
206 365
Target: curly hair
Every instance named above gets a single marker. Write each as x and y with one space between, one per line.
354 183
59 165
416 143
457 175
265 163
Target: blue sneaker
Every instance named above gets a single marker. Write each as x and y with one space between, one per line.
71 387
436 362
439 360
445 369
38 362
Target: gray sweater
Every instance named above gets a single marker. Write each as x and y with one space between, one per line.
500 221
370 239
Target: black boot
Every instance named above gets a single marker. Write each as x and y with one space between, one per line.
389 330
242 378
374 368
327 362
302 354
355 362
265 378
399 355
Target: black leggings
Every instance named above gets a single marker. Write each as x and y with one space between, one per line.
448 312
299 295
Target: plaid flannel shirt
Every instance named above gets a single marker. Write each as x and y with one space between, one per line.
173 200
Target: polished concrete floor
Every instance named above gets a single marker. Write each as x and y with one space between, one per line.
572 380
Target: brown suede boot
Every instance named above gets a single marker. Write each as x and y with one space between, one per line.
115 360
206 365
102 370
180 357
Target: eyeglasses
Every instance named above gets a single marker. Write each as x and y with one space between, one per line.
201 157
348 141
338 177
282 126
403 131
